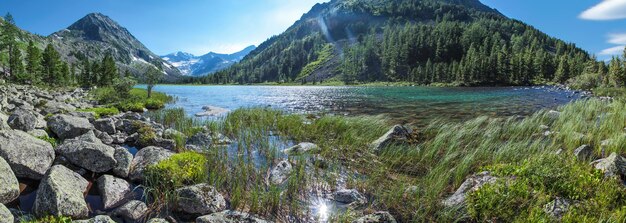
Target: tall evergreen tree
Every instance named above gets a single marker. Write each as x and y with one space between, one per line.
51 63
109 74
33 62
10 33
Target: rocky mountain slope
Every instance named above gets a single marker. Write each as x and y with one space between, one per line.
95 35
421 41
192 65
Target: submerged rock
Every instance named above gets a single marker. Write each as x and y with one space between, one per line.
397 134
199 199
67 127
60 193
303 147
557 208
471 184
280 172
29 157
378 217
211 111
9 186
614 165
114 191
133 211
145 157
93 156
230 217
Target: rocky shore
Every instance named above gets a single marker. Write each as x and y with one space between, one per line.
55 159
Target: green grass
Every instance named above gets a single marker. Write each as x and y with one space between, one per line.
136 102
443 156
101 111
610 92
50 219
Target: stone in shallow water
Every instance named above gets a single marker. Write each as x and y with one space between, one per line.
280 172
9 186
230 217
60 193
29 157
397 134
349 196
303 147
211 111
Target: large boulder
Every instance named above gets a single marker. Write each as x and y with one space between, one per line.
144 158
614 165
114 191
3 122
124 159
22 119
60 193
105 125
28 156
397 134
5 215
280 172
199 199
303 147
471 184
133 211
9 186
96 219
67 127
378 217
93 156
229 217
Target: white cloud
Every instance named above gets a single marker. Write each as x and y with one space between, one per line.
606 10
612 51
617 38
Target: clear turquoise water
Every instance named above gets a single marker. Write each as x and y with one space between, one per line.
399 104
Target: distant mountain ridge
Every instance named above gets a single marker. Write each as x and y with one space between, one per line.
209 63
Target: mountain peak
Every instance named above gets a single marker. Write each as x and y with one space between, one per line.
96 26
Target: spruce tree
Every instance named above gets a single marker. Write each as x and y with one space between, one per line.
10 33
33 62
51 66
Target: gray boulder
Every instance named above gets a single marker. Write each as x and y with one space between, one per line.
96 219
157 220
201 139
199 199
557 208
105 125
133 211
22 119
9 186
378 217
471 184
5 215
583 152
349 196
397 134
67 127
145 157
614 165
303 147
114 191
230 217
280 172
29 157
60 193
92 156
124 159
3 122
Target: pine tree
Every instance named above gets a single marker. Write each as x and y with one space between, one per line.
562 71
615 71
51 66
109 74
9 43
33 62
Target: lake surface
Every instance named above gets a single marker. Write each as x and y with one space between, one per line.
399 104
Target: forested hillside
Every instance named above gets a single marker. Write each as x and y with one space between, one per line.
423 41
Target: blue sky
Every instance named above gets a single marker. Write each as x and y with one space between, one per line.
200 26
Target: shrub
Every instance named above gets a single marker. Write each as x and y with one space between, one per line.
123 86
152 103
50 219
131 106
181 169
